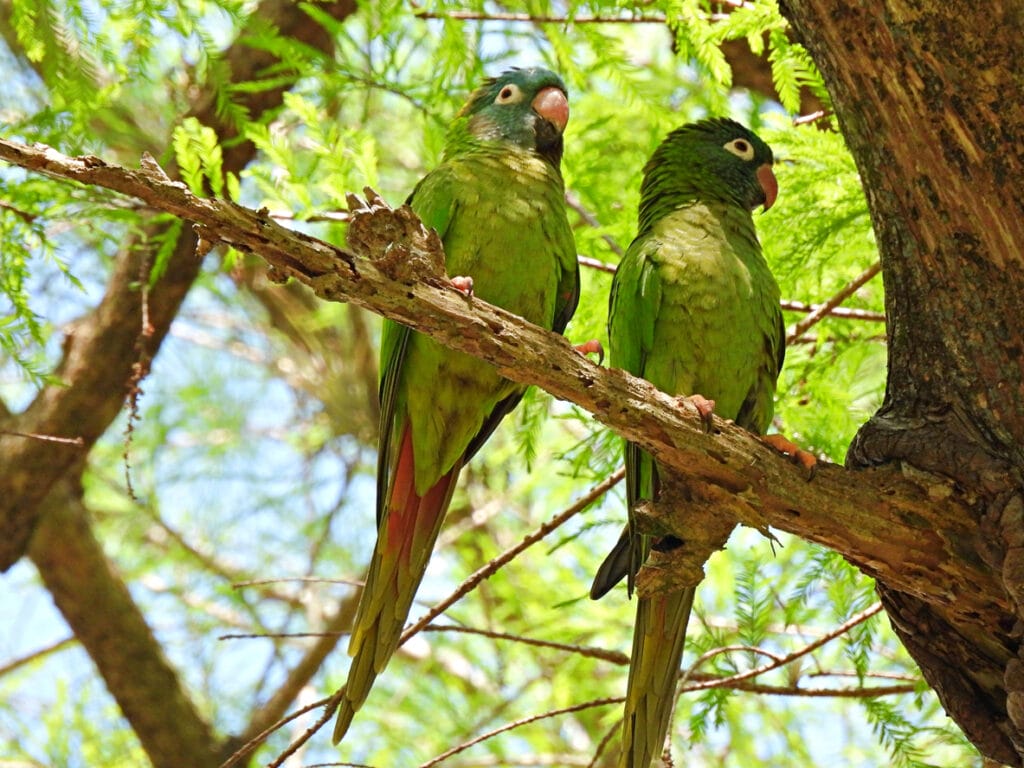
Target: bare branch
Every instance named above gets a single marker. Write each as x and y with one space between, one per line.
818 311
844 312
519 724
779 661
21 661
613 657
842 295
591 221
530 18
511 553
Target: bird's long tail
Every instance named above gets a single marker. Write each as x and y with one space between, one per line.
405 540
658 641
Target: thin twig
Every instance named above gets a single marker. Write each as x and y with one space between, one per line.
823 693
278 635
844 312
591 220
809 118
537 19
301 579
781 660
21 661
510 554
28 218
816 311
848 290
776 657
608 736
603 266
518 723
262 735
613 657
76 441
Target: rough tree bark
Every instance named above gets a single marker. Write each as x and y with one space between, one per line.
930 97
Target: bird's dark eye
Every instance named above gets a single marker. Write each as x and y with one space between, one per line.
510 94
741 148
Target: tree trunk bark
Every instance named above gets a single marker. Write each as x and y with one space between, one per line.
930 97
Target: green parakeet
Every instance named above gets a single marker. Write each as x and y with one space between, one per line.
694 310
498 203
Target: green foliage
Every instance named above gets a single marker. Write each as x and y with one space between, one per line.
197 152
254 453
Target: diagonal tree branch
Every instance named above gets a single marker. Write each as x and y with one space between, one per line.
910 529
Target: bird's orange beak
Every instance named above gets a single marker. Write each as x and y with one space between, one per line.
766 178
551 104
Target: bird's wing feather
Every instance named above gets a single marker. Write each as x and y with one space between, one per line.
434 202
633 311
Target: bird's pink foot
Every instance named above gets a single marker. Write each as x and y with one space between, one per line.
705 409
463 284
795 453
592 347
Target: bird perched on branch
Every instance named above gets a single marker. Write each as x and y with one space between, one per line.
694 310
498 203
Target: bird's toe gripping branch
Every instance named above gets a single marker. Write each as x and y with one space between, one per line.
463 284
592 347
795 453
705 409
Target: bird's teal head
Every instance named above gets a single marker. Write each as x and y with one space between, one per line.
711 160
527 108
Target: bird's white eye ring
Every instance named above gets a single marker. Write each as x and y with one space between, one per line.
741 148
509 94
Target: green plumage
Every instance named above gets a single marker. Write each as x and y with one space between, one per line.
498 203
694 310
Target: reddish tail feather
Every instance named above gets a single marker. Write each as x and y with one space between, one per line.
405 541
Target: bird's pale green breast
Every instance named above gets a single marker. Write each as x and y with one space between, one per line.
715 329
508 230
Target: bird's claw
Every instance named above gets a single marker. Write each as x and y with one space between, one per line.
795 453
592 347
705 409
463 284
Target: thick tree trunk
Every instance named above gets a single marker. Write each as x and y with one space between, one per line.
930 97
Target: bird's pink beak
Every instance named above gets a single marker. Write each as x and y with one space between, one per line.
551 104
766 178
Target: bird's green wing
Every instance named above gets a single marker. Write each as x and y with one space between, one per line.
567 299
433 201
634 305
568 296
